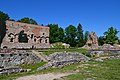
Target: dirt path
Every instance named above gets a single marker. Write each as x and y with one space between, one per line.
49 76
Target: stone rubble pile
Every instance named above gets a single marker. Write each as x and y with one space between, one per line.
99 53
60 59
110 47
18 57
108 58
10 58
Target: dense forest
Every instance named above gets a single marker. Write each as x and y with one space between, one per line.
73 35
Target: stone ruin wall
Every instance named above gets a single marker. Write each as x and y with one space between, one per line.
92 42
10 57
38 36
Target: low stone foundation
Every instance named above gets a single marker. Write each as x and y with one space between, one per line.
60 59
10 70
24 46
16 57
99 53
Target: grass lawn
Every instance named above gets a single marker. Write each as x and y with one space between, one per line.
107 70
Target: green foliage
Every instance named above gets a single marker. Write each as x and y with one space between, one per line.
80 36
27 20
119 41
58 45
56 33
61 35
101 40
3 18
111 35
86 35
71 35
79 33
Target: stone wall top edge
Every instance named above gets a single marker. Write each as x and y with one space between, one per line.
26 24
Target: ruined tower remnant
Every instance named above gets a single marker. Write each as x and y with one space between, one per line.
23 35
92 42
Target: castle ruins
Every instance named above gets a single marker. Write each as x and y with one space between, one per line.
23 35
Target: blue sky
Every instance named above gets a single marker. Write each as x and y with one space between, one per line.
94 15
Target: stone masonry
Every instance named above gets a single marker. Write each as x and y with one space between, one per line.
36 36
92 42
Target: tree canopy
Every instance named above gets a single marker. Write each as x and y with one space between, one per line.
56 33
80 36
71 34
111 35
3 18
28 20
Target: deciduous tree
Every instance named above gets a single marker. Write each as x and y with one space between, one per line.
111 35
71 35
28 20
101 40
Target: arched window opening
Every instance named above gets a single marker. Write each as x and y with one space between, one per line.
40 40
46 41
23 37
11 40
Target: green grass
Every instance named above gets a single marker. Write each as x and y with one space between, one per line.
107 70
33 68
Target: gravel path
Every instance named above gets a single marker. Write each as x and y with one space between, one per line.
49 76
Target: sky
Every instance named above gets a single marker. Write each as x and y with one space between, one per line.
93 15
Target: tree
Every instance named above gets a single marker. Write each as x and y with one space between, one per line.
87 33
54 33
79 33
27 20
71 35
80 36
111 35
3 18
101 40
61 35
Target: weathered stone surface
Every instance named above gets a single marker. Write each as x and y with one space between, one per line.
36 36
99 53
110 47
17 57
60 59
107 47
9 70
92 42
108 58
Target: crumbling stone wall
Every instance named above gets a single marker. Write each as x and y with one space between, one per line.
61 59
15 57
35 34
92 42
